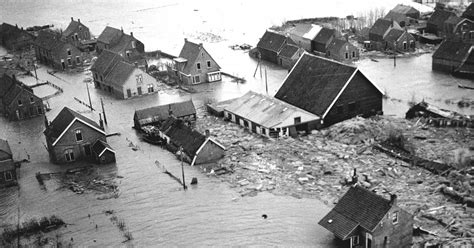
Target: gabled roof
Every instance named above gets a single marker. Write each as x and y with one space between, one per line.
48 39
452 50
358 207
289 50
109 34
190 52
324 35
405 9
5 151
120 73
315 83
469 12
273 41
106 62
123 44
338 44
393 35
182 135
268 111
73 27
468 65
6 82
439 17
305 30
161 112
10 32
100 147
395 16
380 27
64 120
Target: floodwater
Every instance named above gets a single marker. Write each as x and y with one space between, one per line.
154 207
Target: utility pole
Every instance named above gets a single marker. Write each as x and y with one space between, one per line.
18 220
266 83
103 111
182 167
89 95
36 75
395 54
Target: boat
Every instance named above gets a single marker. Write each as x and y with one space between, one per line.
462 86
151 135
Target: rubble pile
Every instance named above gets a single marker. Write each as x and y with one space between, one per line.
87 179
321 165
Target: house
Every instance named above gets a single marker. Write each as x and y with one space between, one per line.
451 55
329 89
402 14
435 24
379 31
303 34
450 25
269 117
469 12
112 73
323 39
400 41
14 38
271 44
52 51
17 100
73 137
288 55
127 46
7 166
197 148
156 115
342 51
195 65
76 32
362 218
462 31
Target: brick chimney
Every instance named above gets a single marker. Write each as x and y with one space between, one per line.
200 44
185 40
131 34
121 28
72 19
208 133
354 176
78 20
393 199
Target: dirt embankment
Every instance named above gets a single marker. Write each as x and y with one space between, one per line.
321 164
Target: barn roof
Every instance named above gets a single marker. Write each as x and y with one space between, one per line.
272 41
452 50
161 112
288 50
120 73
380 27
106 62
324 35
405 9
358 207
182 135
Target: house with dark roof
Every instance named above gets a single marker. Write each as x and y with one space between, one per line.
379 31
51 50
435 24
196 147
303 34
269 116
195 65
400 41
127 46
158 114
342 51
271 44
469 12
17 100
14 38
403 14
462 30
451 56
112 73
329 89
288 55
362 218
73 137
7 166
323 39
76 32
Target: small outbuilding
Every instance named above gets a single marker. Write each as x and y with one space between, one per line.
155 115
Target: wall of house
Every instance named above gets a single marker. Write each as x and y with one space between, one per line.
82 34
209 153
444 65
302 42
340 55
68 141
27 109
106 158
390 235
269 56
464 32
202 58
133 84
399 46
62 54
361 94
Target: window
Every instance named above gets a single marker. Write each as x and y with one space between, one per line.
39 109
297 120
78 60
78 135
329 53
197 79
128 53
20 102
404 45
198 66
80 28
395 217
355 240
76 36
264 131
150 88
353 54
139 78
8 176
32 99
139 90
69 155
69 52
208 64
69 62
347 55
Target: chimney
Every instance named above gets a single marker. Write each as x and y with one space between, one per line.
354 177
16 25
121 28
200 44
78 20
72 19
131 34
185 40
208 133
393 199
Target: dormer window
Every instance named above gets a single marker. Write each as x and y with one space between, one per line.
78 135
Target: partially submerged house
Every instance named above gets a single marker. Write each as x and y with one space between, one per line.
303 34
14 38
51 50
269 116
362 218
323 39
73 137
436 23
158 114
112 73
342 51
288 55
329 89
451 56
127 46
17 100
76 32
7 166
196 147
462 30
400 41
271 44
403 14
379 31
195 65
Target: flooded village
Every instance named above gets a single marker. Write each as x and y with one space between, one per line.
176 124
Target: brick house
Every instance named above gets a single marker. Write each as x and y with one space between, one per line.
76 32
73 137
197 148
462 30
14 38
329 89
7 166
436 23
127 46
379 31
271 44
195 65
400 41
17 100
158 114
112 73
51 50
342 51
362 218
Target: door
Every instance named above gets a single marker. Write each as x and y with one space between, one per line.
129 93
368 240
139 89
